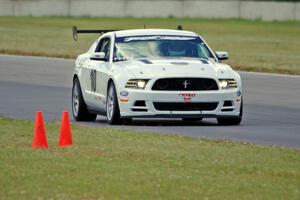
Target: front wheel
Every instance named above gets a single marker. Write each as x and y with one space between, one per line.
112 106
232 120
79 108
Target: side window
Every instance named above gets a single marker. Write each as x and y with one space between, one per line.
104 46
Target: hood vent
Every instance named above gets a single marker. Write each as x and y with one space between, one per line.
146 61
204 61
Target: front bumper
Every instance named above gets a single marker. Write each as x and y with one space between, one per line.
129 108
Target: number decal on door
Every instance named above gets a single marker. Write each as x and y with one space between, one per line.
93 80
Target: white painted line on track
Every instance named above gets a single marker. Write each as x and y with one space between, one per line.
36 57
269 74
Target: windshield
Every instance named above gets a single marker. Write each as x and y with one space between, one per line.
160 46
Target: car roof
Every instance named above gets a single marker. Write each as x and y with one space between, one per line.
137 32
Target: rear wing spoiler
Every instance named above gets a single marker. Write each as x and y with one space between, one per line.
76 31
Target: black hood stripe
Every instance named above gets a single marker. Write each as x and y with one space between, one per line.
146 61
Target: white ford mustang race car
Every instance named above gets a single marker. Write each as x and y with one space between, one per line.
154 73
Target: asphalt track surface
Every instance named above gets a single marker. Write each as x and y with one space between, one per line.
271 109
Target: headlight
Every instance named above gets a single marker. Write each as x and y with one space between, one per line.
136 83
227 83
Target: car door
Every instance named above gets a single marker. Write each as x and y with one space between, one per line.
98 74
87 68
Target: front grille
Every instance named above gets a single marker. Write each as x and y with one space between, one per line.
175 106
185 84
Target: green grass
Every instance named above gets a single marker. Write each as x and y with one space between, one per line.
252 45
119 164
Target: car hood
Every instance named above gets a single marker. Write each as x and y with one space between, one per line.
149 68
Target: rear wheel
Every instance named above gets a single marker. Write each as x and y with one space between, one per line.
112 106
79 108
232 120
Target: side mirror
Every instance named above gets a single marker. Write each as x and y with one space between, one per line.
98 56
222 55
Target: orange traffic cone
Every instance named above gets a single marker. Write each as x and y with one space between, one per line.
65 137
39 137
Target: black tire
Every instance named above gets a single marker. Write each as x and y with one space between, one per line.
192 119
127 121
79 108
231 120
112 106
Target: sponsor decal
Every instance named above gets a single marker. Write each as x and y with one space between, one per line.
98 98
93 77
187 97
158 38
124 93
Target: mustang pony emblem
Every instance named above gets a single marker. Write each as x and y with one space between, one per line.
185 84
187 97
